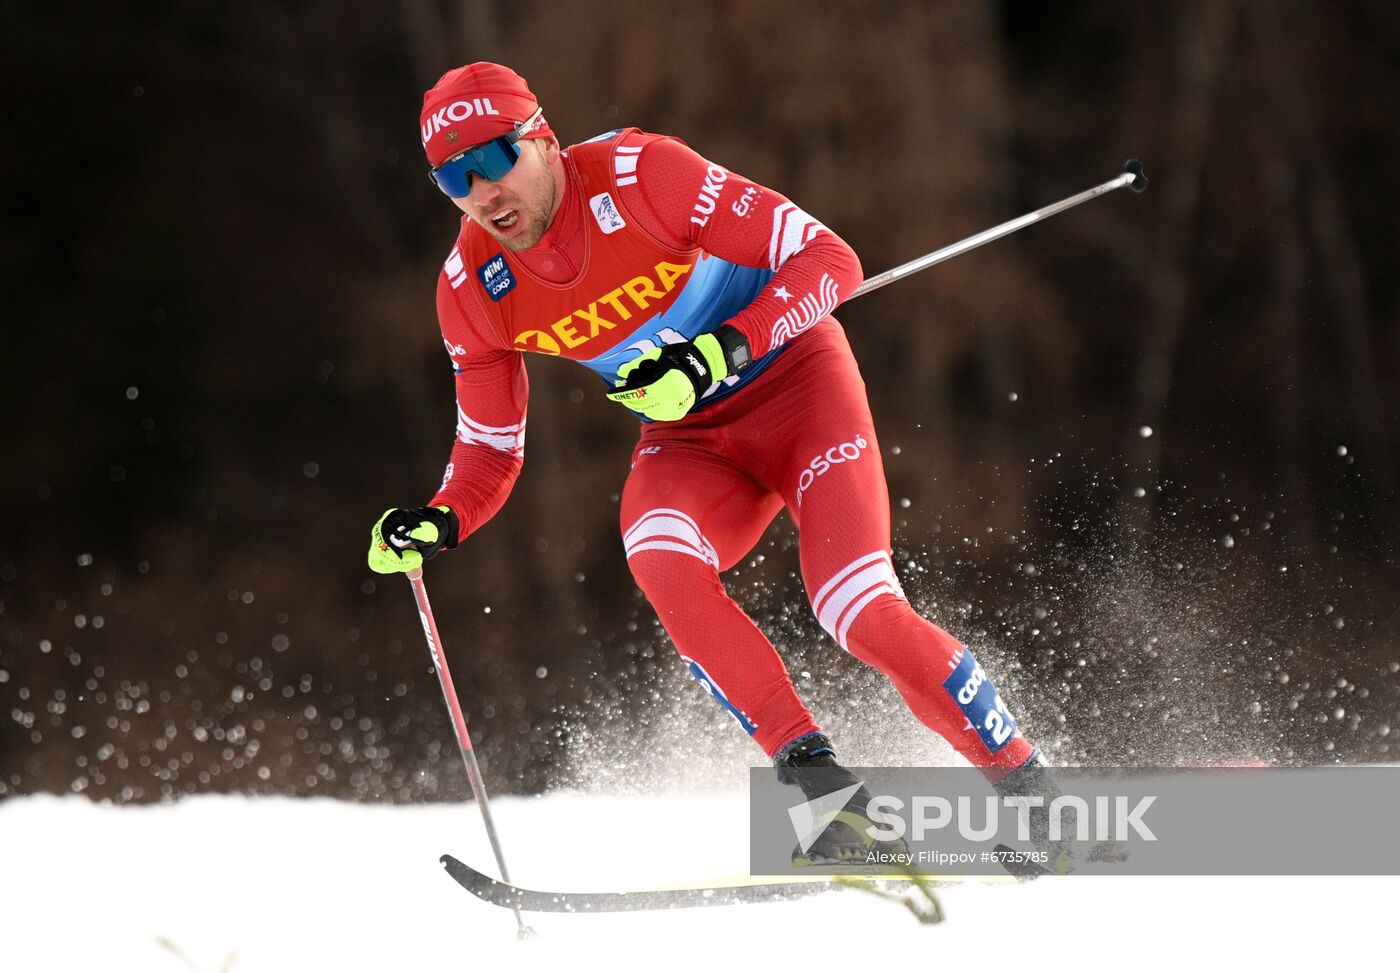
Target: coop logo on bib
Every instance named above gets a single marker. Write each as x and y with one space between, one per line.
980 702
496 277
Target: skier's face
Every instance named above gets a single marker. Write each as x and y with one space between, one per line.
519 207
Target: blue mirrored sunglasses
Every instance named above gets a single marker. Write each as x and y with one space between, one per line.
489 160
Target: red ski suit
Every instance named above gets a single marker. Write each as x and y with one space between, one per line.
653 244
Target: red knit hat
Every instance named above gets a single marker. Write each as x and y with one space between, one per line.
474 104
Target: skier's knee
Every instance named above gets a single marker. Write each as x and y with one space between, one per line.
850 592
665 545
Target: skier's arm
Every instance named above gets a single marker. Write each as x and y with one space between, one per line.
489 448
487 452
684 200
492 391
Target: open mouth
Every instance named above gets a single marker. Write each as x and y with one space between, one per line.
506 219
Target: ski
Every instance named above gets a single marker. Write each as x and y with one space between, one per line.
509 896
914 891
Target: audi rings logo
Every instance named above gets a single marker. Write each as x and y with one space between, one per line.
844 453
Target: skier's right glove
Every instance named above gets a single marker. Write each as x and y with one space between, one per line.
405 537
664 383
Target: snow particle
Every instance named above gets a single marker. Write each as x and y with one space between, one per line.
132 392
541 672
1144 431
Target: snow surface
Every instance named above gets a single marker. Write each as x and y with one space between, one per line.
270 884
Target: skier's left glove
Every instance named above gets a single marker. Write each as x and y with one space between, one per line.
406 537
663 384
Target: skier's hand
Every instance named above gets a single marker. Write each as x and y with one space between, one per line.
406 537
663 384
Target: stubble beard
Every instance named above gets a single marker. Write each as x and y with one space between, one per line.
539 221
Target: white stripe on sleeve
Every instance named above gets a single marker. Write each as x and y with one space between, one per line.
508 439
793 229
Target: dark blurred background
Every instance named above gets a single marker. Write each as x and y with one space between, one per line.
1143 457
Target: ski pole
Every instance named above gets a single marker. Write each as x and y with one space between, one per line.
1131 176
459 726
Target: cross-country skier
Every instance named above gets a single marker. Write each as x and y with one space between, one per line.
704 301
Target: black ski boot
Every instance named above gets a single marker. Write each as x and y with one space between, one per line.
809 762
1035 779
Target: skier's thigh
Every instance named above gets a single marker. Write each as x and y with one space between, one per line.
678 494
839 500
